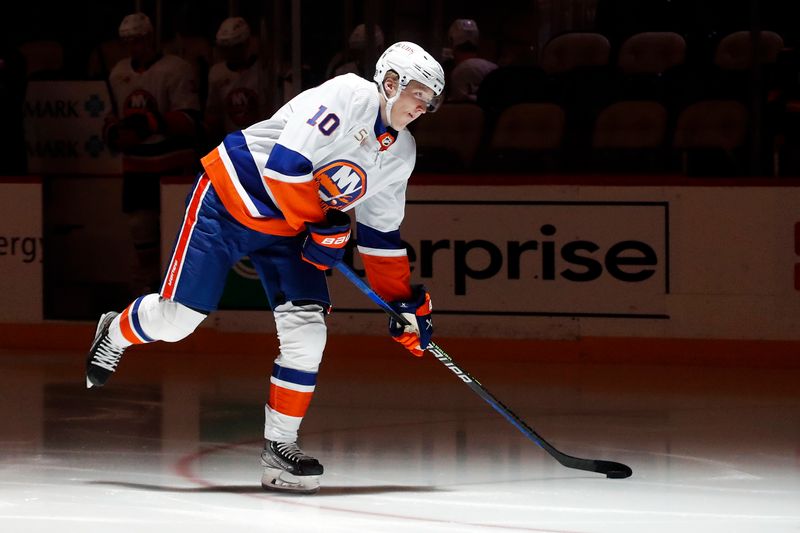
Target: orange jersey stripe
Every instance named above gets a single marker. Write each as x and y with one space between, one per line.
299 202
390 277
289 402
224 188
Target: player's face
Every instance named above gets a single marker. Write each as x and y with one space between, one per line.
140 48
235 53
412 103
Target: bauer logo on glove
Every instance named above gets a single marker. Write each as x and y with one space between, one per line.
417 311
325 242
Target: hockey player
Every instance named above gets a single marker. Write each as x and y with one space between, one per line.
467 70
155 127
237 85
353 58
279 191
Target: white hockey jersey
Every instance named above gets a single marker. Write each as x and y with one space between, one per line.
167 85
325 148
237 98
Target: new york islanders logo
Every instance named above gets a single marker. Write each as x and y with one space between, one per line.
341 183
139 101
241 104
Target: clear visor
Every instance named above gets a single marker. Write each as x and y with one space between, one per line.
425 96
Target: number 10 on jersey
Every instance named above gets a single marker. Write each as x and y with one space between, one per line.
327 124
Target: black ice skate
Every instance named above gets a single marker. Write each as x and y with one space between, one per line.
288 469
104 355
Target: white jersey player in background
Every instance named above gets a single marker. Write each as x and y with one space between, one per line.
465 68
279 191
155 125
351 60
238 95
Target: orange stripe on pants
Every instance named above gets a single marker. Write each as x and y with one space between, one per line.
190 219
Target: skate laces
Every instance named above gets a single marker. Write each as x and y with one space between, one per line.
107 354
291 451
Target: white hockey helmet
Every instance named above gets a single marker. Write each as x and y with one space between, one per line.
135 25
463 31
411 62
233 31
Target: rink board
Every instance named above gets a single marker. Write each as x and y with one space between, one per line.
564 262
21 249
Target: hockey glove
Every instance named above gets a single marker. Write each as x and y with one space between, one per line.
143 124
417 311
325 242
118 138
131 130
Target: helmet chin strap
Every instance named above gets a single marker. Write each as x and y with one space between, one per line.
389 104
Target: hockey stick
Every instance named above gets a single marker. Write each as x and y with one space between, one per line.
609 468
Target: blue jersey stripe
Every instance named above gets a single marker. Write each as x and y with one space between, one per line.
372 238
135 319
288 162
249 174
291 375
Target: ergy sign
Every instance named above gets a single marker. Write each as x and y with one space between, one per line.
561 258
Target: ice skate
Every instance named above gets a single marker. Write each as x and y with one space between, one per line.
104 355
288 469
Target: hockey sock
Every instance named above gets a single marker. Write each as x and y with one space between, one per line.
290 393
301 331
152 318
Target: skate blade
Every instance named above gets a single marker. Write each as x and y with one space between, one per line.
279 480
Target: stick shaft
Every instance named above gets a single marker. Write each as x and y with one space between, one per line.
442 356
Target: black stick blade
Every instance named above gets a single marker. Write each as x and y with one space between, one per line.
613 470
610 469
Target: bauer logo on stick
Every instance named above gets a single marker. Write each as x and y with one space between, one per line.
449 364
